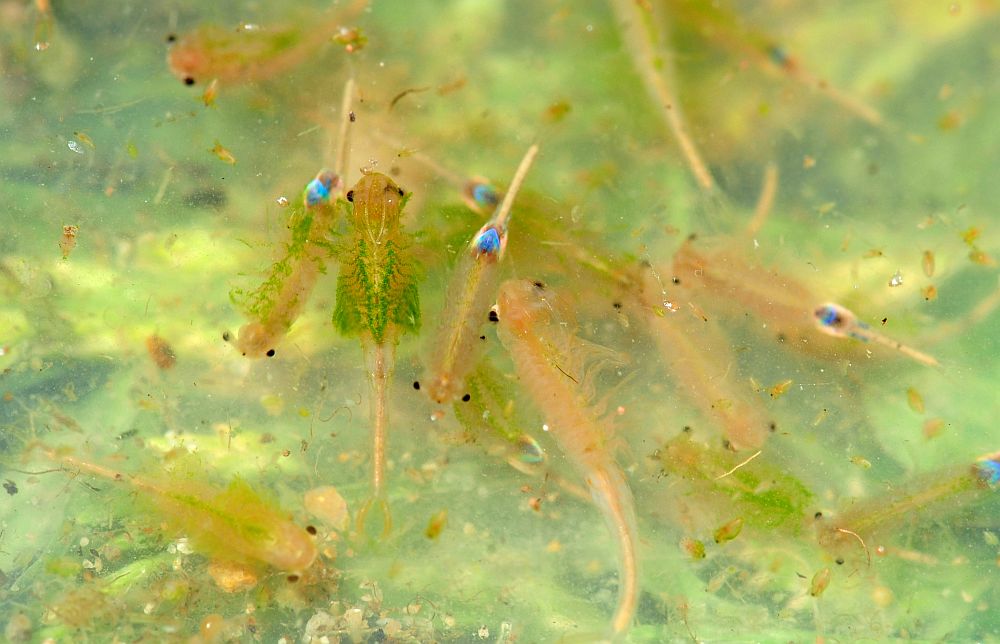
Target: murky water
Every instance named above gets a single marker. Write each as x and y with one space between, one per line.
758 261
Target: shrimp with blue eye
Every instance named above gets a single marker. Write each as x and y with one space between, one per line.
470 295
839 322
279 301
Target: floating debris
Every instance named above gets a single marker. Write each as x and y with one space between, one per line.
352 39
68 241
223 154
161 352
729 531
436 524
928 263
819 583
896 279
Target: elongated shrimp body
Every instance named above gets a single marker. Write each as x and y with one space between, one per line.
550 365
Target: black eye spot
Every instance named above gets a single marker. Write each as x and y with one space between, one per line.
840 561
188 80
416 385
482 337
270 353
226 336
818 515
293 578
539 285
466 398
311 529
350 196
617 305
171 37
675 280
401 191
494 317
773 426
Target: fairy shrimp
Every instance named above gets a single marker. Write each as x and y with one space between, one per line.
279 301
249 53
839 322
698 357
234 523
472 290
552 366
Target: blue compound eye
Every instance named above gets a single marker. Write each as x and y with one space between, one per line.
317 191
488 241
485 195
988 471
828 316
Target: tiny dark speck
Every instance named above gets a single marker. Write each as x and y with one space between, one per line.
270 353
188 81
466 398
416 385
10 486
494 317
353 117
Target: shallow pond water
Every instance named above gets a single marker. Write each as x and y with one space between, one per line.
739 381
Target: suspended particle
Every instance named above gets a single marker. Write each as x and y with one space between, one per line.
436 525
977 256
819 582
970 236
896 279
161 352
74 147
729 531
779 389
282 201
223 154
68 240
928 263
915 400
861 462
693 547
933 427
86 140
352 38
